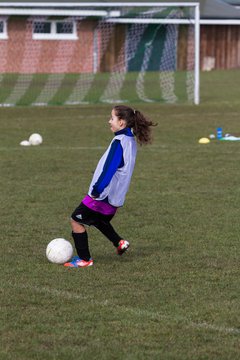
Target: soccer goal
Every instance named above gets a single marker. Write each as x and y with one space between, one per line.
80 53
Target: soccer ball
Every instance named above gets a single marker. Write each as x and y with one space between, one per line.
59 251
25 143
35 139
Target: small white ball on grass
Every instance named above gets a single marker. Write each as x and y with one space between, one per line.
25 143
35 139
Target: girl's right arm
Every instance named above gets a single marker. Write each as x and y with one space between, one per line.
113 161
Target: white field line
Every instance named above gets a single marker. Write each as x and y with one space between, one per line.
152 315
42 147
222 329
152 148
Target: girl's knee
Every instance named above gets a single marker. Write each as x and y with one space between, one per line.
76 227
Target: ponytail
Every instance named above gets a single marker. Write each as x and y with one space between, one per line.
140 125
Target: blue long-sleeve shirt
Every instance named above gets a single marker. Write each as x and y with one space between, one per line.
114 170
113 162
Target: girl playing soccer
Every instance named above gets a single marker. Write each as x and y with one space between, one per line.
110 183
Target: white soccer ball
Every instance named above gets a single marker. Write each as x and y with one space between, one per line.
35 139
59 251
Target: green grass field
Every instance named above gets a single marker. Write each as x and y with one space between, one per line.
175 294
59 89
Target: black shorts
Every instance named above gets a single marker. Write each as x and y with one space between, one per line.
83 215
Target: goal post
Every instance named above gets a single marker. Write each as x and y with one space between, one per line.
99 52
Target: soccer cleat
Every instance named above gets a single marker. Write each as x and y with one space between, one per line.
77 262
123 245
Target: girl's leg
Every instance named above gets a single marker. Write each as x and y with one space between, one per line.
80 238
107 230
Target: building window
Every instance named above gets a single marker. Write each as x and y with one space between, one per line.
64 28
3 29
42 28
55 30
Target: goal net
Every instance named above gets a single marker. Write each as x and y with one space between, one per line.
139 52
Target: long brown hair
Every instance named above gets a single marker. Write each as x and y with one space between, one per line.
139 123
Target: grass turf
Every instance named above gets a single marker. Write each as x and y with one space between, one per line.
175 295
59 89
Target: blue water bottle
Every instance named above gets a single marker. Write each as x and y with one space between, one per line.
219 133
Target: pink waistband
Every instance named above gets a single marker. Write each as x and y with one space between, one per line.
99 206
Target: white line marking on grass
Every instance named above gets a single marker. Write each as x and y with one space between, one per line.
55 292
72 147
207 326
139 312
62 293
43 147
157 316
54 148
46 147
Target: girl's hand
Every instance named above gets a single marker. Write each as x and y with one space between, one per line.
94 195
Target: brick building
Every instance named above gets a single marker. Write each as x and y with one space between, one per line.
27 45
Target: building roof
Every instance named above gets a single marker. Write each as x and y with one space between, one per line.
219 9
233 2
209 9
